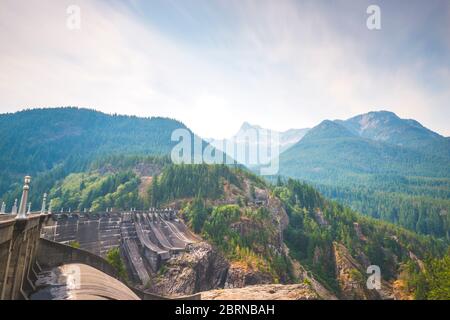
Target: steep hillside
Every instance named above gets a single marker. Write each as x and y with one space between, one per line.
252 233
287 233
35 141
234 211
338 244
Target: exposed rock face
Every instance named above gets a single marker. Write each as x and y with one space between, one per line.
351 276
302 275
240 276
279 218
200 268
264 292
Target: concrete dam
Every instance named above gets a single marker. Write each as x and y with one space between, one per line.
146 239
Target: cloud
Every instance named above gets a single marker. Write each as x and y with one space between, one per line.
279 64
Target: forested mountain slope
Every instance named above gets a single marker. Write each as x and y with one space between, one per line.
58 141
380 165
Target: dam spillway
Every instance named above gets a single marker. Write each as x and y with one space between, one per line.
145 239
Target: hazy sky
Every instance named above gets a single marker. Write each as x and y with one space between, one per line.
214 64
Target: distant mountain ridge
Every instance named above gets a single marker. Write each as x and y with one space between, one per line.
287 138
240 140
379 164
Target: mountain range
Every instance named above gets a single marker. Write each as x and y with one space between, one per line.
254 231
374 143
379 164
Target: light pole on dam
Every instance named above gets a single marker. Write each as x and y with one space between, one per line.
23 201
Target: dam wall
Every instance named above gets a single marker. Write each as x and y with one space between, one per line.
19 243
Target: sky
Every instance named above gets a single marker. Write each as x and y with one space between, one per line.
215 64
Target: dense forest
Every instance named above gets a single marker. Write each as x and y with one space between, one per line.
39 140
421 213
315 223
92 192
187 181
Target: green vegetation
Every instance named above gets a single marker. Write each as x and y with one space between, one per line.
96 192
393 169
315 223
243 235
196 214
60 141
437 278
187 181
424 207
114 258
432 283
69 187
74 244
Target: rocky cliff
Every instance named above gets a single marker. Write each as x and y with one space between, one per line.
264 292
200 268
351 276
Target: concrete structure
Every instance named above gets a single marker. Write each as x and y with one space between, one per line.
27 260
80 282
44 200
14 208
18 246
24 200
155 236
19 235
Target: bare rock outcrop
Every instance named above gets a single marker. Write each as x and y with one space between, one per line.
264 292
351 276
239 275
198 269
